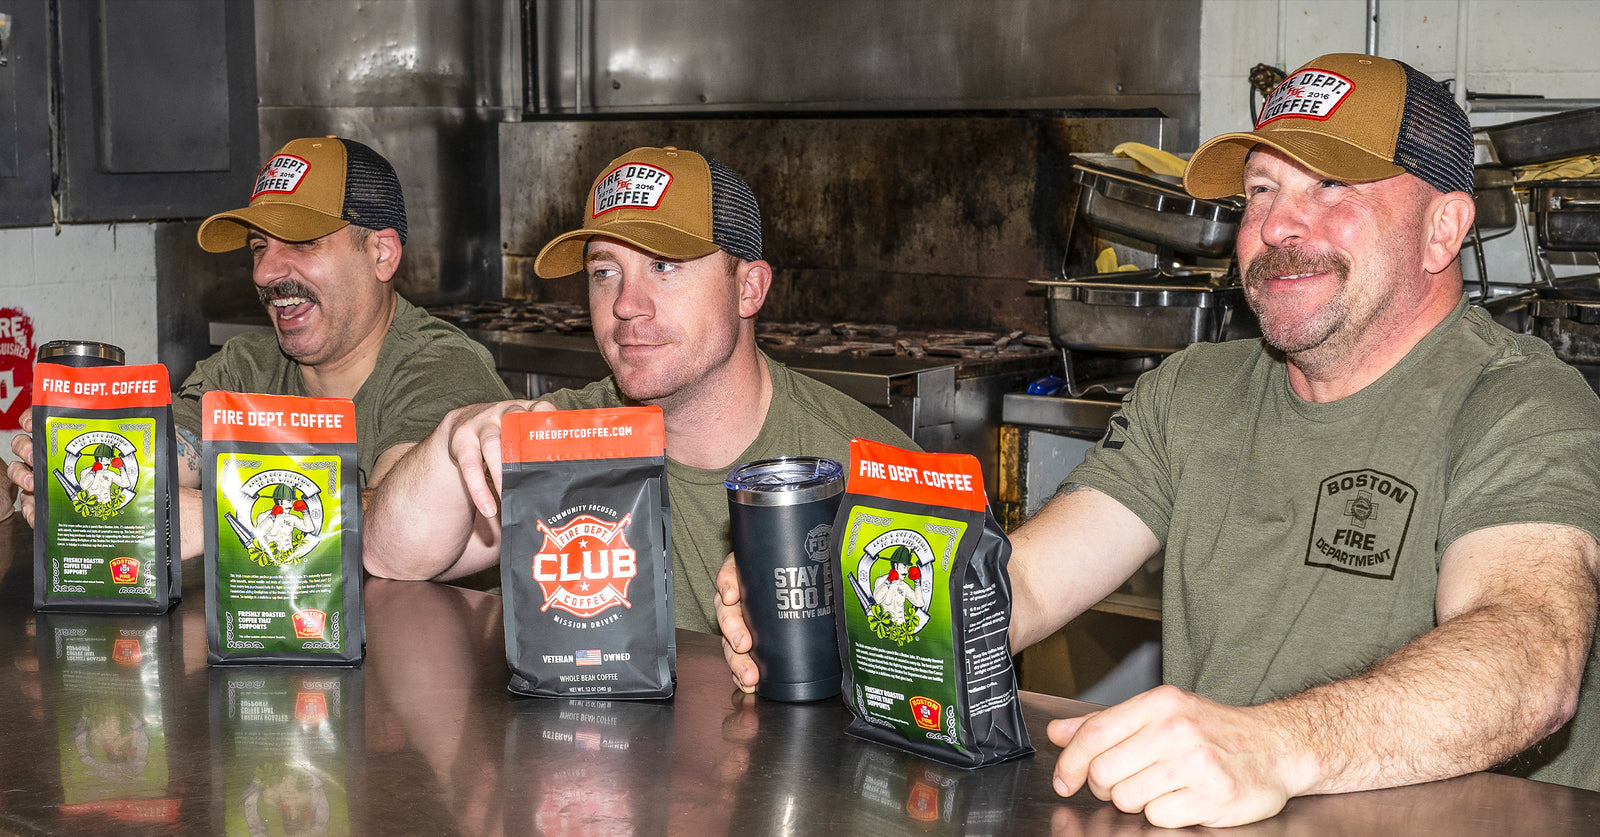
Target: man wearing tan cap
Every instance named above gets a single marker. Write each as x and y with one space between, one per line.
325 227
1379 522
671 243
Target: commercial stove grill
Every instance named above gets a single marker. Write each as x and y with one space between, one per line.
943 388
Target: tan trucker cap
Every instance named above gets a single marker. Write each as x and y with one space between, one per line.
310 188
1348 117
667 201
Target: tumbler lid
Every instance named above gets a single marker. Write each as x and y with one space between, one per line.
80 353
785 481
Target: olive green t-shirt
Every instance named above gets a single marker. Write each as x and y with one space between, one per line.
806 418
1303 539
425 369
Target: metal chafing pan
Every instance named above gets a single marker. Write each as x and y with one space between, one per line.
1146 311
1567 213
1492 190
1569 323
1153 210
1571 133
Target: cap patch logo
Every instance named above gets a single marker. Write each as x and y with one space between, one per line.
635 185
282 174
1308 94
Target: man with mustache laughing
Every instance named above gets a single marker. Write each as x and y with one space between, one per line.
325 227
671 246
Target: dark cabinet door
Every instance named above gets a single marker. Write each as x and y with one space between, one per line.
24 113
156 107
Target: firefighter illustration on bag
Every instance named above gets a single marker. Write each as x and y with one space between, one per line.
102 474
285 512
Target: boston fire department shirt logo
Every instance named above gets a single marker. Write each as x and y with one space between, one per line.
282 174
634 185
584 567
1360 523
1309 94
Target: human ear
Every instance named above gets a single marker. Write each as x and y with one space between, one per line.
1449 220
755 279
384 248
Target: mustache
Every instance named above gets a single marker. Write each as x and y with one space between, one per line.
286 288
1289 261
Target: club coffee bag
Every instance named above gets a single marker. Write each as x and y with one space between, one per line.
585 564
282 528
924 633
105 533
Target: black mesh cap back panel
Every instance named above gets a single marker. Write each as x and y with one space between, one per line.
372 196
1435 140
735 215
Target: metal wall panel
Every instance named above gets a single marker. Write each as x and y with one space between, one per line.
394 53
191 132
25 114
181 99
425 81
934 220
614 55
422 81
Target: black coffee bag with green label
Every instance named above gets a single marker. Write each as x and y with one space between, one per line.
924 633
282 528
106 531
585 550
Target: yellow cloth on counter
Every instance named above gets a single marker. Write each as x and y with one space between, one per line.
1154 159
1560 169
1106 262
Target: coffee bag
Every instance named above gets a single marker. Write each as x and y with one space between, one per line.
585 552
924 633
282 529
104 536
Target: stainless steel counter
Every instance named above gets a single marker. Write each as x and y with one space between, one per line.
115 725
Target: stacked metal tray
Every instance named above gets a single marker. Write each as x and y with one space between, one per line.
1572 133
1149 311
1153 210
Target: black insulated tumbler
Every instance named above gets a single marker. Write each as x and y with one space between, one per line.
782 515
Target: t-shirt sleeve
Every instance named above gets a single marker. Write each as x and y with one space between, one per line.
1527 451
227 369
1131 462
429 386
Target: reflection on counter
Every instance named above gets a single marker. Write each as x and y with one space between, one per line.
289 742
103 679
609 755
907 791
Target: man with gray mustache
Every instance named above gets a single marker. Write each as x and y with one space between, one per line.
1380 522
325 227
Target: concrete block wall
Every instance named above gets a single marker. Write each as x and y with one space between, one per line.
1524 47
89 281
1512 47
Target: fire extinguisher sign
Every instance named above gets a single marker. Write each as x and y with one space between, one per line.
16 366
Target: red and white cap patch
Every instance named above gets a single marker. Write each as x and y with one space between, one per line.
634 185
282 174
1308 94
